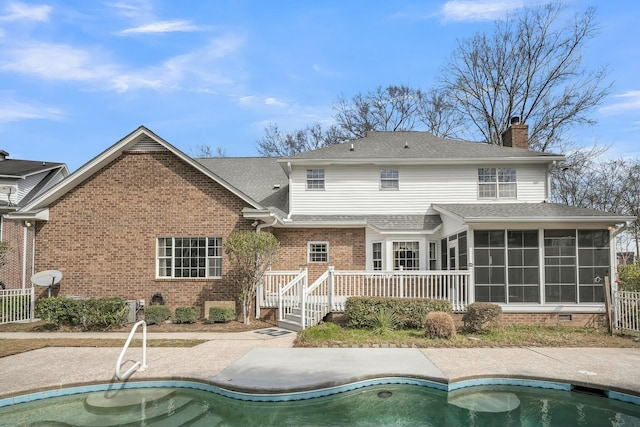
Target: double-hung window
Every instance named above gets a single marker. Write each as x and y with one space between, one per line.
318 251
315 179
497 183
189 257
389 179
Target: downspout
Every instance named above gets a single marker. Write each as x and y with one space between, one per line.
264 225
27 224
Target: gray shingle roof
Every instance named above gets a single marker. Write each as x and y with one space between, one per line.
260 178
515 211
420 145
381 222
21 168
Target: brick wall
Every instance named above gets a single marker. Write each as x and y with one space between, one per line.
12 272
548 319
346 249
102 234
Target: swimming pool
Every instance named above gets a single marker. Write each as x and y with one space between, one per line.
389 401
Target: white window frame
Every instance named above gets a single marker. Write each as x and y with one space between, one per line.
416 261
373 256
315 179
212 257
310 253
500 183
389 179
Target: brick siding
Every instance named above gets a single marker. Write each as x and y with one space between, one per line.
12 273
346 249
102 234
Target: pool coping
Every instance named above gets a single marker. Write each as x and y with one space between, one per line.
292 395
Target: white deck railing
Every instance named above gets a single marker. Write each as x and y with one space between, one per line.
450 285
288 290
291 296
16 305
626 310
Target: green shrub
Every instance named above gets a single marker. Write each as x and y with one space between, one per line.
187 314
386 322
439 325
629 276
482 317
156 314
221 314
362 312
103 314
89 314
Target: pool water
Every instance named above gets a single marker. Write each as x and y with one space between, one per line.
384 405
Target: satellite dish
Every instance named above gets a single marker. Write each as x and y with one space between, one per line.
47 278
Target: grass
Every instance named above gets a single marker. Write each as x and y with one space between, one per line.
331 335
9 347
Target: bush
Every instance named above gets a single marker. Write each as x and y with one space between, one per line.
187 314
156 314
481 317
629 276
90 314
439 325
362 312
386 321
221 314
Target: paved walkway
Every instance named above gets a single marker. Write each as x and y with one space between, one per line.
264 361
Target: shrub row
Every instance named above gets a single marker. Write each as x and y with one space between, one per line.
221 314
156 314
364 312
89 314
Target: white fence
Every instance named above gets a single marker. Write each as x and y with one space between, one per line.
16 305
291 294
626 311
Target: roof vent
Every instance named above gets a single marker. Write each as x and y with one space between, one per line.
3 155
352 149
406 144
276 186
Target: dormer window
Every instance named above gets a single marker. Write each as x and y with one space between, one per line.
389 179
497 183
315 179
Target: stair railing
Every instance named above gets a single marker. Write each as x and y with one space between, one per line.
137 366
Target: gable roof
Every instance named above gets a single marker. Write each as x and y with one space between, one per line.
141 139
20 169
417 146
521 212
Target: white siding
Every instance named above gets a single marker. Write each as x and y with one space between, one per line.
356 189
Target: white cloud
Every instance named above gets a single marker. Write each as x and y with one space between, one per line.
140 10
56 62
13 111
480 10
162 27
16 11
628 101
275 102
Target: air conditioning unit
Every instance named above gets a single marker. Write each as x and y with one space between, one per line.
131 304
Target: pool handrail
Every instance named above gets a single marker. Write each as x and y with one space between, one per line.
137 366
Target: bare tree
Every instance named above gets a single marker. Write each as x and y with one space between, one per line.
206 151
276 143
439 115
394 108
530 67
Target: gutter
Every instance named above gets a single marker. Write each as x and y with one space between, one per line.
264 224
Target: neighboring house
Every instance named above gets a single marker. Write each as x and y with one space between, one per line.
144 218
20 182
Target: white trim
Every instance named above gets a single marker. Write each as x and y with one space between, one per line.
309 243
429 161
551 308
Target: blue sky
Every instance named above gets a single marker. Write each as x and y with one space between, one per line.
76 76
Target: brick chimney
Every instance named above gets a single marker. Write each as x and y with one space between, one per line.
516 135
